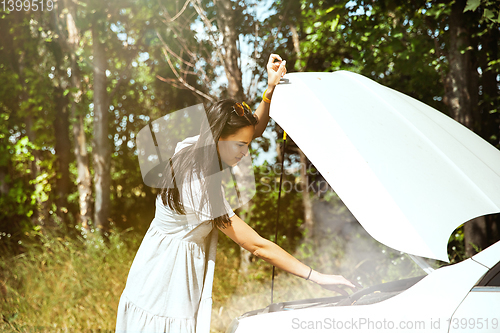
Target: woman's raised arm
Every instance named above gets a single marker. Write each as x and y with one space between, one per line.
275 71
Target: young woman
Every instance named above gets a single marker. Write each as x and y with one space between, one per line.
169 285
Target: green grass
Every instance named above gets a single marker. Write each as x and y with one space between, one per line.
70 285
62 284
74 285
67 285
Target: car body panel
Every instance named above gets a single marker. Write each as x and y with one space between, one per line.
479 312
407 172
490 256
431 301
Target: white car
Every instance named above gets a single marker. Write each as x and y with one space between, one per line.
464 297
410 175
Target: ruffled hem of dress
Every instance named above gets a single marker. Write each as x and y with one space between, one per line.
133 319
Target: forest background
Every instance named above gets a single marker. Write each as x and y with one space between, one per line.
79 79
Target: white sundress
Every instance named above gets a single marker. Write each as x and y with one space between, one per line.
169 286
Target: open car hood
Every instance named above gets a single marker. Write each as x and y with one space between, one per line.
407 172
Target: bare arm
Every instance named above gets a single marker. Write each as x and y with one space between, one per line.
249 239
275 70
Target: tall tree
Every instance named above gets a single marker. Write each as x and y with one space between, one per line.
227 25
70 38
101 148
461 98
61 126
196 56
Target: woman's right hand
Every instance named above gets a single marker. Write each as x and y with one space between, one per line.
332 282
276 68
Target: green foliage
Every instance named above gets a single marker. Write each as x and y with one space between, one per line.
456 246
59 283
489 8
46 280
262 211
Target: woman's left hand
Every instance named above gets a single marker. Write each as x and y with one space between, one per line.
333 282
275 70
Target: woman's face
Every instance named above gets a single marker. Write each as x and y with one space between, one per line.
233 147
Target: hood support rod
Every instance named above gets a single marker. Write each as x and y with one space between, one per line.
278 213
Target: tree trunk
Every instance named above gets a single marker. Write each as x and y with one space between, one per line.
489 52
459 100
458 96
61 126
306 199
226 23
101 149
4 185
296 47
84 181
63 151
475 235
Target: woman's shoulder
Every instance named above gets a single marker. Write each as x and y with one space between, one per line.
186 143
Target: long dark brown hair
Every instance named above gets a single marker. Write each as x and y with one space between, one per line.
202 159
